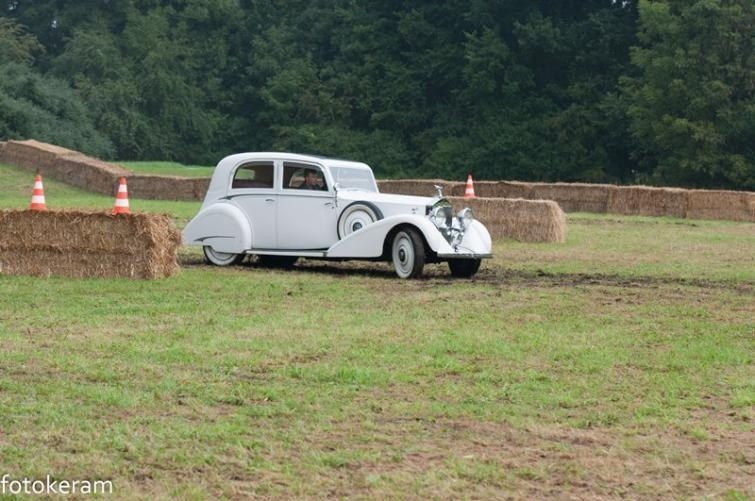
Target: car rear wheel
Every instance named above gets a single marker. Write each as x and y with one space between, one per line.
464 268
221 258
356 216
278 261
408 253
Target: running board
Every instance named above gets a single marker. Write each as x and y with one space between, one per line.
298 253
465 256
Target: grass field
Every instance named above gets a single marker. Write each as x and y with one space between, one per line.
618 364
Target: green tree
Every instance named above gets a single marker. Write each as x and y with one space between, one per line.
691 108
17 45
47 109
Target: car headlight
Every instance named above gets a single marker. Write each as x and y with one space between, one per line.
466 216
442 217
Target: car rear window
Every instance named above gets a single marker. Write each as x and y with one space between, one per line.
254 175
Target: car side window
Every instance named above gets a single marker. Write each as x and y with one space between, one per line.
254 175
303 177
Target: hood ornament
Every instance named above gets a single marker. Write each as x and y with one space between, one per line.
439 189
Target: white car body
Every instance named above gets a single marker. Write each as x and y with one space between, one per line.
240 216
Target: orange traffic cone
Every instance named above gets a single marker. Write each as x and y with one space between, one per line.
121 199
38 195
469 190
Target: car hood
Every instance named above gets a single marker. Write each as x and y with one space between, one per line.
386 198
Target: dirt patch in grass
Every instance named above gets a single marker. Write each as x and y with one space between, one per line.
549 279
474 458
493 275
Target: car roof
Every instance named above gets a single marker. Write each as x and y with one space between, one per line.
233 160
221 175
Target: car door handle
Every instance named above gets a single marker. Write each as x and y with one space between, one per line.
328 203
269 200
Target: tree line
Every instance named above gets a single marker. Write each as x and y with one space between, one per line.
620 91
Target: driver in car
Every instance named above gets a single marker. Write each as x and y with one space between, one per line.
311 181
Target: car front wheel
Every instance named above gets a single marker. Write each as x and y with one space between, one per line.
221 258
464 268
408 253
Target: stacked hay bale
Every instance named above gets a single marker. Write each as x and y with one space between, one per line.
513 189
573 197
485 189
65 165
152 187
720 204
92 174
87 244
73 168
33 154
418 187
647 201
495 189
518 219
86 172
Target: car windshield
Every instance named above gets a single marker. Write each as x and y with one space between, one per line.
353 179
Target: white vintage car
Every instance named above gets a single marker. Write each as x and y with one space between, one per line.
283 206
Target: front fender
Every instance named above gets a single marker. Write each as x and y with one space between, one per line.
223 226
368 242
476 239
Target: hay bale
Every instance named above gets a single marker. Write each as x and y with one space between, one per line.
154 187
573 197
519 219
721 204
88 173
513 189
76 243
29 155
418 187
31 147
33 155
484 189
675 202
64 165
647 201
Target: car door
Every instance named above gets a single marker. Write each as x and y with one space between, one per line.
306 212
253 189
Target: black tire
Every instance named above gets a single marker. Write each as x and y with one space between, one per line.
355 216
221 258
408 253
464 268
278 261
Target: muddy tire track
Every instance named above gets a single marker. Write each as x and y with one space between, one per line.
499 276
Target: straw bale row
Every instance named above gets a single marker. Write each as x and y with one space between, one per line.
719 204
602 198
96 175
76 243
85 172
92 174
518 219
419 187
64 165
167 187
